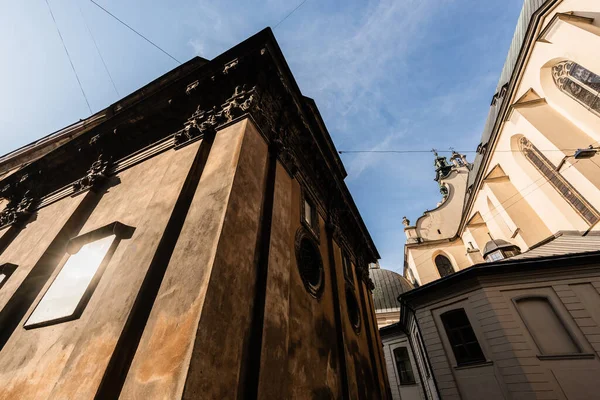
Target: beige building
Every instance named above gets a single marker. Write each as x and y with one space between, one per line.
507 265
527 181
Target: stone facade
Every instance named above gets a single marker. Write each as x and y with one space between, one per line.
198 184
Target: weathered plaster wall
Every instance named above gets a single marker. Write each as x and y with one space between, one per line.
194 340
68 360
273 380
313 364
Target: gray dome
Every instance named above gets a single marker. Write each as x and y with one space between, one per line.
497 244
388 286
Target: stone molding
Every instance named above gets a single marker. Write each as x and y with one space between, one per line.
259 89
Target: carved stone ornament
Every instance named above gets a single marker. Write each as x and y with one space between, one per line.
203 122
191 87
230 65
96 175
405 221
283 150
334 222
17 212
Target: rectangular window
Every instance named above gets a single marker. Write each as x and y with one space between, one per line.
74 284
404 367
6 271
67 291
347 264
310 217
462 339
308 213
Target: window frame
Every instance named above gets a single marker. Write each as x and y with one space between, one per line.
313 226
347 268
562 75
449 262
460 361
7 270
581 352
410 364
563 187
120 231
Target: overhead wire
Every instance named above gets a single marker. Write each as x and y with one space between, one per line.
438 151
69 57
98 51
134 31
506 208
288 15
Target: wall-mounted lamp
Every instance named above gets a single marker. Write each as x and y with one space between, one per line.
580 154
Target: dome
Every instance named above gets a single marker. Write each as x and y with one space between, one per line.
502 245
388 286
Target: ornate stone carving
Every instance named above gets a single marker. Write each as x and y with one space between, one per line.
239 103
203 122
281 145
200 123
334 223
230 65
405 221
96 175
191 87
16 212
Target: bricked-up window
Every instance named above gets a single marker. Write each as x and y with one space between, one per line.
545 326
579 83
403 366
462 339
74 284
443 265
6 271
564 188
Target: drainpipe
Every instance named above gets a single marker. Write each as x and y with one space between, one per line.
405 310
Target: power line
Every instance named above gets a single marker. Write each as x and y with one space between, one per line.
98 50
133 30
287 16
438 151
506 208
69 57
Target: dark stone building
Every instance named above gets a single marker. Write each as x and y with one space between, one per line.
193 240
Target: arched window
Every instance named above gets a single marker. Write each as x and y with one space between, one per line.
566 190
443 265
579 83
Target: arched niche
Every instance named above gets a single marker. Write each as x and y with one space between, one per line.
495 221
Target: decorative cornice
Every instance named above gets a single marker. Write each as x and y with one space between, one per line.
96 175
204 122
261 88
17 212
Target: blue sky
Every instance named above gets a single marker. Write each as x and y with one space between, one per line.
403 75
